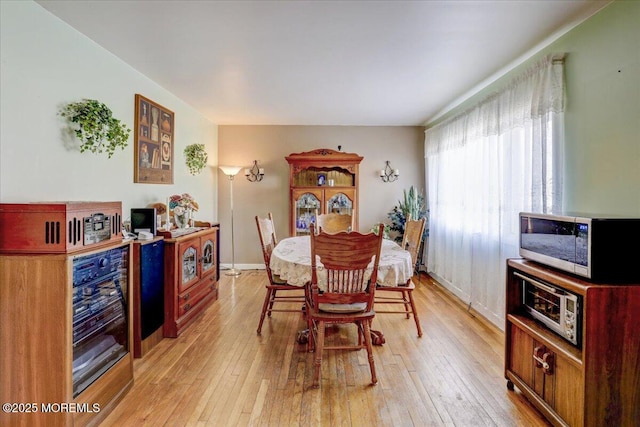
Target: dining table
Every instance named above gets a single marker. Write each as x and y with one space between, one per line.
291 261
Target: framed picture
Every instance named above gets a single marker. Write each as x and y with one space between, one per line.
322 179
153 143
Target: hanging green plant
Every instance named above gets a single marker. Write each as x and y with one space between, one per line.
196 158
94 125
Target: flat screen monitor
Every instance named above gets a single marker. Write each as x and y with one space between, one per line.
143 219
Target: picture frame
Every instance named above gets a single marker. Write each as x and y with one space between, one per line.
153 142
322 179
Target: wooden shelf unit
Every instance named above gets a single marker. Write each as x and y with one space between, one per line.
307 194
191 274
37 336
593 384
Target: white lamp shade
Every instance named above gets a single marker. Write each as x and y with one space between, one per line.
230 170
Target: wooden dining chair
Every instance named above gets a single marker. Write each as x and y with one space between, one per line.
334 222
278 291
403 293
342 290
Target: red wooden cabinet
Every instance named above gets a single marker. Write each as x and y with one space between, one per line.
192 272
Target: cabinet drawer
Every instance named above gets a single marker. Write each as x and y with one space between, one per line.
190 299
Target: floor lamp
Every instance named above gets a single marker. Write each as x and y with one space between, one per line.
231 171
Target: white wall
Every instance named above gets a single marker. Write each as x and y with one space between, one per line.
46 64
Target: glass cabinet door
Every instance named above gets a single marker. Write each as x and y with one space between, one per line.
208 256
100 320
339 203
305 208
188 266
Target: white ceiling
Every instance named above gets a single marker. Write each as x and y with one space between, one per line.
322 62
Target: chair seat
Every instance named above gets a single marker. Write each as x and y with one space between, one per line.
400 288
326 316
277 280
343 308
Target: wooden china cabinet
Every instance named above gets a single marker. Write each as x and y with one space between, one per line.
191 274
321 180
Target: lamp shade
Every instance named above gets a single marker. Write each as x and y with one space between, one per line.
230 170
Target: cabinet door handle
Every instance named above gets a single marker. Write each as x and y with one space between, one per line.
186 297
547 365
538 353
543 360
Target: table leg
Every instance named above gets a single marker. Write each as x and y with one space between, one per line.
302 337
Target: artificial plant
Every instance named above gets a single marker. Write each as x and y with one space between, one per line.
195 158
412 203
96 128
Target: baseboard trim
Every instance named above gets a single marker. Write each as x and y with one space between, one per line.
243 266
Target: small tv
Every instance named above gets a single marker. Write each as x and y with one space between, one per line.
143 219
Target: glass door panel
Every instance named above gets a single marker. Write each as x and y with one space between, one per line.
305 212
339 203
208 249
100 322
188 267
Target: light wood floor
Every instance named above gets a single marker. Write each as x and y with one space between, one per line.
220 373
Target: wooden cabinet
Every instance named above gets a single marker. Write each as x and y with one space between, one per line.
148 294
66 336
192 271
321 180
594 383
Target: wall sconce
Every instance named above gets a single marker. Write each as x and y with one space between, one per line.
389 175
254 174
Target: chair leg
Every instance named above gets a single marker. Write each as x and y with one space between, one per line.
367 341
406 304
267 298
415 314
273 300
318 356
311 341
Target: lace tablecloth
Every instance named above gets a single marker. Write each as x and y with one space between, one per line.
291 260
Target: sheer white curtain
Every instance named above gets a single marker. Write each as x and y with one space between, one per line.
502 156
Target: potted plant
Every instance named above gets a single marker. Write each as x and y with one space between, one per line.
195 158
411 203
94 125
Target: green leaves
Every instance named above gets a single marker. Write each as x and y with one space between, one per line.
96 128
412 203
195 158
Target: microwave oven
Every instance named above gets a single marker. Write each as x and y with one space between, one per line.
557 308
602 249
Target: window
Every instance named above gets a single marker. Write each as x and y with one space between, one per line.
484 166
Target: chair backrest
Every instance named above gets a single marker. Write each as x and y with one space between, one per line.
349 265
413 230
268 239
334 222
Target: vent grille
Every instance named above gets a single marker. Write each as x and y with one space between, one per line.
52 232
75 230
116 224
